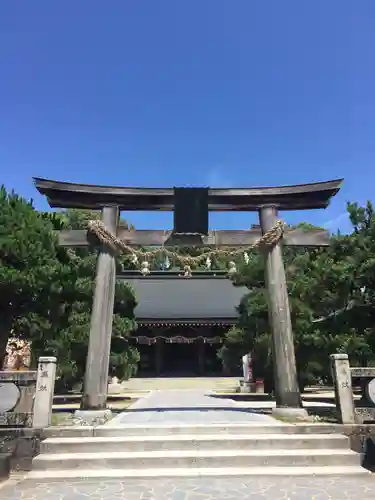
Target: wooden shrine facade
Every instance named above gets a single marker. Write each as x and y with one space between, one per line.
182 322
179 348
191 207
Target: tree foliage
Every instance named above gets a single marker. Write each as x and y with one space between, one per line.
28 270
46 291
332 300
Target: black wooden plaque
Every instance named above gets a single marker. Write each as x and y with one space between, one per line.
191 210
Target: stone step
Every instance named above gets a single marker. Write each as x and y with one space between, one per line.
214 428
197 459
64 474
193 442
109 430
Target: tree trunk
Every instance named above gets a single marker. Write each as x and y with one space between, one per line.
4 337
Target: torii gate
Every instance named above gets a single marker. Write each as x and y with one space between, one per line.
191 207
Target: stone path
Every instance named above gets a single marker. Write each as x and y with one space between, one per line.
264 488
178 383
187 407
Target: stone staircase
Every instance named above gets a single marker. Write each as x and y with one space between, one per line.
192 450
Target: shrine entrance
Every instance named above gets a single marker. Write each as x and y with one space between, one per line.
179 356
180 360
182 322
191 207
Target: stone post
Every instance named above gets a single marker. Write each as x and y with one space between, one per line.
97 364
246 383
45 386
342 380
284 360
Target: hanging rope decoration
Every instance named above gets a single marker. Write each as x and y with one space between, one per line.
269 239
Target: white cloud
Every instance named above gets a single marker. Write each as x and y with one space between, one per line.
217 178
337 222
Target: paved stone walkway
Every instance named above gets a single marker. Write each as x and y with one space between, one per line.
272 488
187 407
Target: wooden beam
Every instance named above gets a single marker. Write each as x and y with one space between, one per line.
294 197
97 362
232 238
284 360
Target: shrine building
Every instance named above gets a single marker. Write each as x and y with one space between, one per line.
182 321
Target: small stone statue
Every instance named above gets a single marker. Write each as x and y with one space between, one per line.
18 355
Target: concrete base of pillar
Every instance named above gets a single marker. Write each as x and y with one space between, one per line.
291 414
115 389
92 417
246 387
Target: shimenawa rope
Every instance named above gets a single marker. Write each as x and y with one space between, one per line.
98 228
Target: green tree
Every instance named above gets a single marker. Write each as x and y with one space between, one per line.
68 333
46 291
324 285
27 267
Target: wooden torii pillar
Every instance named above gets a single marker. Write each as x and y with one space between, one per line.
191 207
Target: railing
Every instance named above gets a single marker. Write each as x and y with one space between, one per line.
349 410
26 396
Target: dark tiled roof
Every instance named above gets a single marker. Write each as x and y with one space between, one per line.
187 300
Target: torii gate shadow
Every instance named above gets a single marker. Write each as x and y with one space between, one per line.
185 409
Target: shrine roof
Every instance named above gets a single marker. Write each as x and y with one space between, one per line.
90 196
171 298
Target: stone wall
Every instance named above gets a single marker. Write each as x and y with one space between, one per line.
22 444
17 392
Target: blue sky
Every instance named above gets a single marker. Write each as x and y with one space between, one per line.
201 92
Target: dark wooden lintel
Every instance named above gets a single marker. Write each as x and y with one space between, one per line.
295 197
230 238
198 322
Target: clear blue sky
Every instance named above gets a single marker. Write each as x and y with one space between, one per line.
196 92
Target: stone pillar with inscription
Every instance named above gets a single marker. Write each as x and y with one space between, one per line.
342 380
45 386
247 373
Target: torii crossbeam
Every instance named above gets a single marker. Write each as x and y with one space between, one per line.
191 207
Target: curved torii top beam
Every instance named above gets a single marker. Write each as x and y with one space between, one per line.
295 197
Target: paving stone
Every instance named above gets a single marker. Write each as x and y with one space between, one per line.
184 407
265 488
